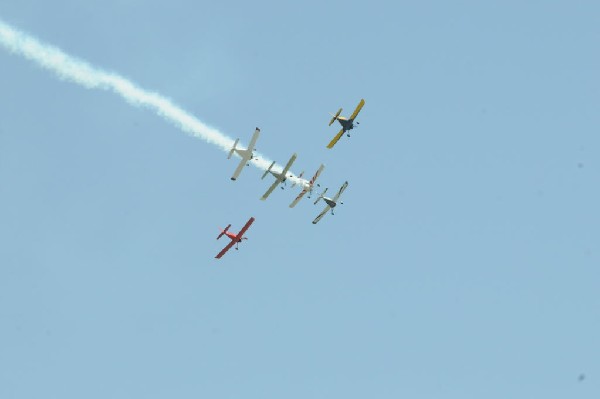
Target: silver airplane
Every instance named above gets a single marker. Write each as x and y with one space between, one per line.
331 202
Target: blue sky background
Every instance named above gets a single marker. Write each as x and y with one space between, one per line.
463 263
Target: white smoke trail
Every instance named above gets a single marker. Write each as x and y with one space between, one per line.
80 72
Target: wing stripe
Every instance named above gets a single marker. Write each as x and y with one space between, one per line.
316 176
298 198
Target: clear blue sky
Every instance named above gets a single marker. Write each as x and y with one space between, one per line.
463 263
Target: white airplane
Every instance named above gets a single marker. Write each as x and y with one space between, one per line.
280 177
307 186
246 154
331 202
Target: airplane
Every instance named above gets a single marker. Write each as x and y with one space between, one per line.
246 154
280 177
347 123
235 238
331 202
307 186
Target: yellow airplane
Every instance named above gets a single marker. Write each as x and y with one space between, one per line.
347 123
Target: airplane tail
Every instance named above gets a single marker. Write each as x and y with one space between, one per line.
223 231
320 196
299 177
268 170
335 117
233 148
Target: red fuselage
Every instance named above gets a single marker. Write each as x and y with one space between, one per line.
233 237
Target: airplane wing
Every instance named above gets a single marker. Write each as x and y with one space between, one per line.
357 110
246 226
239 168
317 174
253 140
321 214
336 139
298 198
335 198
224 250
282 177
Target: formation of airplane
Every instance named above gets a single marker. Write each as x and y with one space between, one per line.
347 123
246 154
307 186
235 238
331 202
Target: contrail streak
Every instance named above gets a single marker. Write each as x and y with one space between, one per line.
82 73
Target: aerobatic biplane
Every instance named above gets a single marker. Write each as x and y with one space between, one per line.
235 238
347 123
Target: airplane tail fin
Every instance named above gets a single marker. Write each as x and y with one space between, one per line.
320 196
268 170
335 117
223 231
233 148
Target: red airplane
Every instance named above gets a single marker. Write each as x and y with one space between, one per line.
235 238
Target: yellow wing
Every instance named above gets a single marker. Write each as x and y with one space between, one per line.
336 139
358 108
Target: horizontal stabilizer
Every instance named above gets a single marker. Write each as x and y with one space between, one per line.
224 231
321 196
233 148
335 117
268 170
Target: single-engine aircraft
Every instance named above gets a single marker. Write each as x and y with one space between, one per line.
280 177
235 238
246 154
307 186
331 202
347 123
